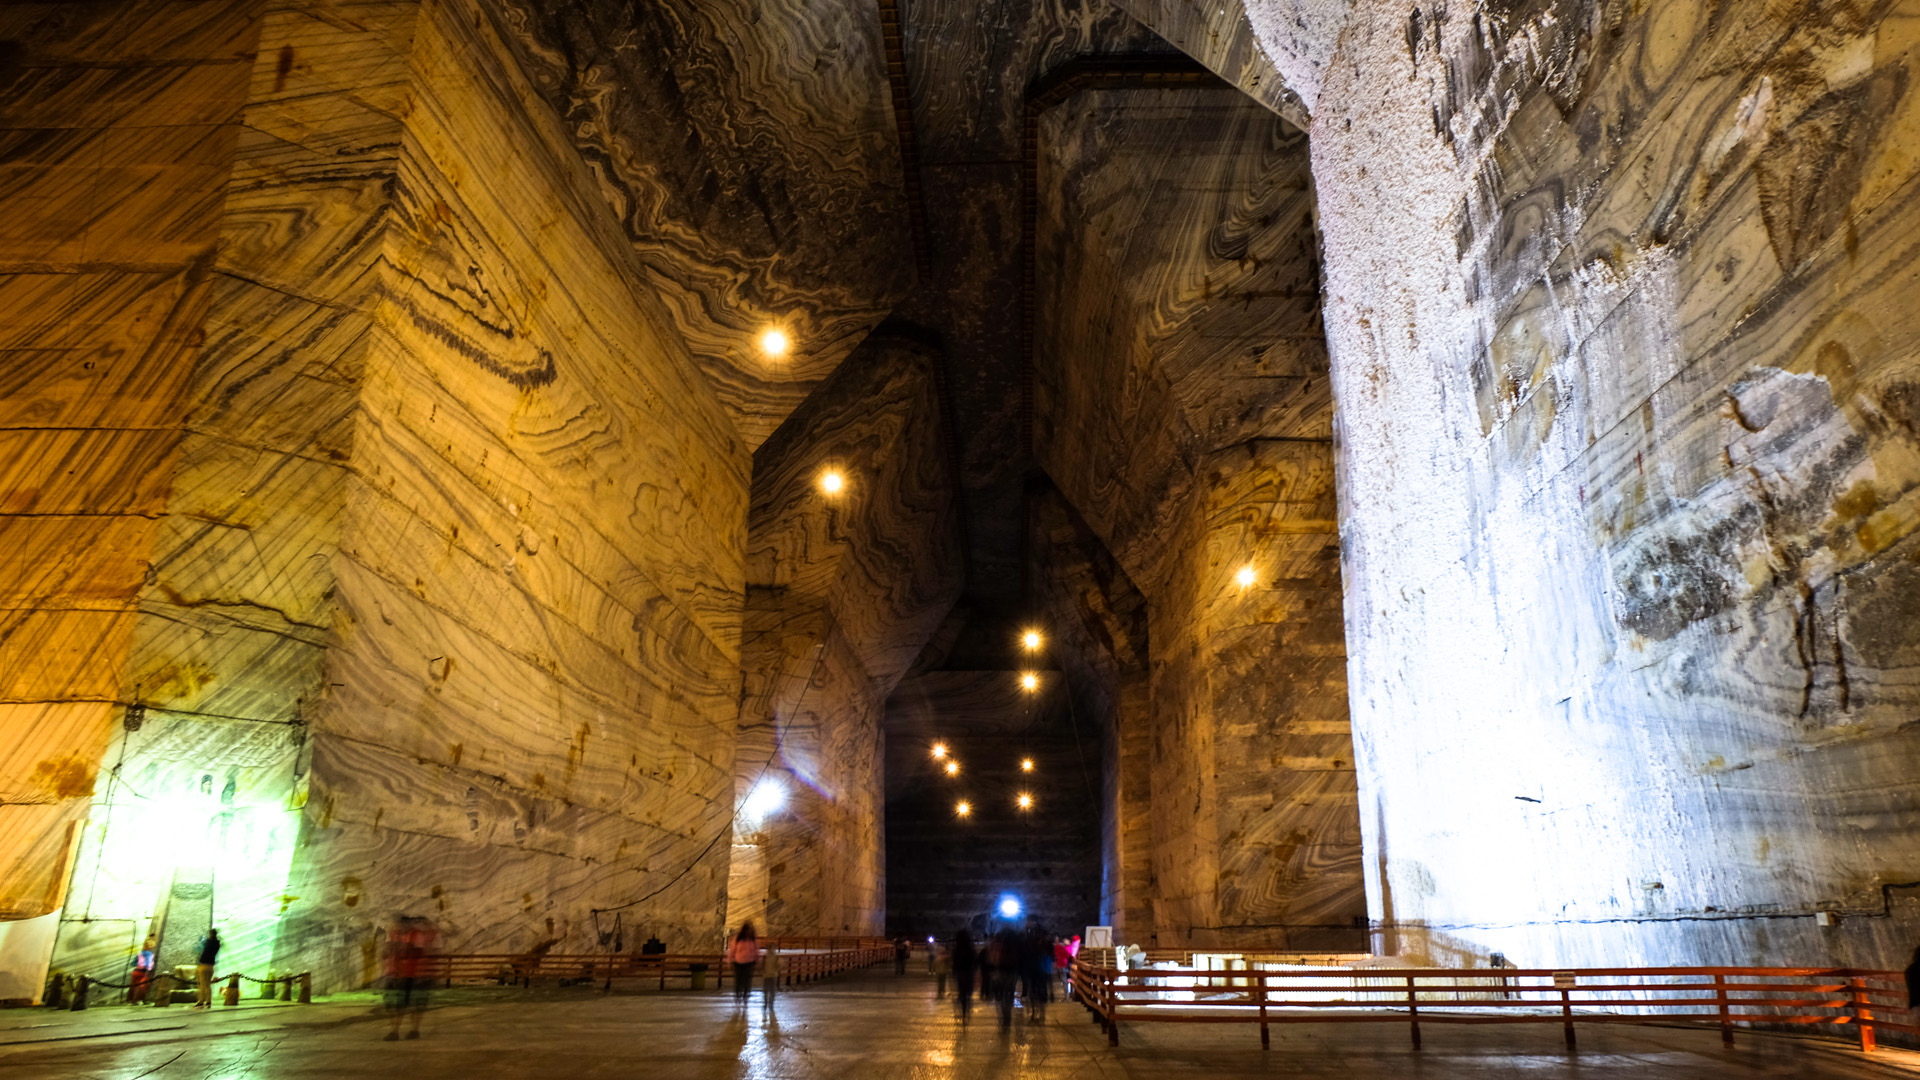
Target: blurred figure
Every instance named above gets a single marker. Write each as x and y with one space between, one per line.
769 977
1913 981
142 979
203 980
1036 973
1063 967
1004 956
940 960
743 954
411 943
965 964
902 948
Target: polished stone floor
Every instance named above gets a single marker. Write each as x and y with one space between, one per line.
862 1027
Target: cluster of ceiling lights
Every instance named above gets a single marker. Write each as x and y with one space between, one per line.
964 808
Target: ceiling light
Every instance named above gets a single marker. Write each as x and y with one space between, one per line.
766 798
1246 576
963 808
939 750
1029 681
953 768
832 481
1025 800
1026 764
1030 640
775 343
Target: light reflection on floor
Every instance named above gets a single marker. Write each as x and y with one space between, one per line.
876 1027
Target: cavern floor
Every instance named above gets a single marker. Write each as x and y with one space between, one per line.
866 1028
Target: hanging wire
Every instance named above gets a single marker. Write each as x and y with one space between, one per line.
780 733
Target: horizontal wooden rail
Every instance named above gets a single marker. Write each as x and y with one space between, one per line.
1259 993
798 965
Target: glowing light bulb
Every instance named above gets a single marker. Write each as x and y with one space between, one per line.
766 798
1026 764
963 808
832 481
1009 907
953 768
775 343
1030 640
939 750
1029 681
1025 800
1246 576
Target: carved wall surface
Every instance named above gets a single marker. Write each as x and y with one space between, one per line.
749 150
844 589
1620 306
440 613
1183 406
119 124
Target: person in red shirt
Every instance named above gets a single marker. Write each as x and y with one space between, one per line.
411 944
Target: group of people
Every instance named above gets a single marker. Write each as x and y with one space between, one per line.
1007 965
745 953
145 971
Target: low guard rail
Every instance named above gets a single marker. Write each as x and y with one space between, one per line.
524 969
1726 997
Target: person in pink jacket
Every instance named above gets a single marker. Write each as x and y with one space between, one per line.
743 954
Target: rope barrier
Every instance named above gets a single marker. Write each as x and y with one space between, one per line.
72 991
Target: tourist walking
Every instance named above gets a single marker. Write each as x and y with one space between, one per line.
1063 967
142 979
940 958
411 940
769 977
209 955
965 965
743 954
1004 956
902 948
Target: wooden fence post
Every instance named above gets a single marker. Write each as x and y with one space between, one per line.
1413 1013
1726 1015
1862 1012
1260 983
1566 1011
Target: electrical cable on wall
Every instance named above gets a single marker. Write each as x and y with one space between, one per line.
780 733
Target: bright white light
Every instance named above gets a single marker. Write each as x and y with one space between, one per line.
767 797
1029 681
831 482
1026 764
1246 576
1030 640
1009 907
953 768
775 343
1025 800
939 750
963 808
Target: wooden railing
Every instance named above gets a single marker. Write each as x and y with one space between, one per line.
1723 997
798 964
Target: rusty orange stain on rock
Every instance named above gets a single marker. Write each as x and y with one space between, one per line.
64 777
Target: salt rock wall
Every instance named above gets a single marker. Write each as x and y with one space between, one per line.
1620 305
1254 818
119 123
1098 621
1184 409
441 609
530 686
750 152
844 589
